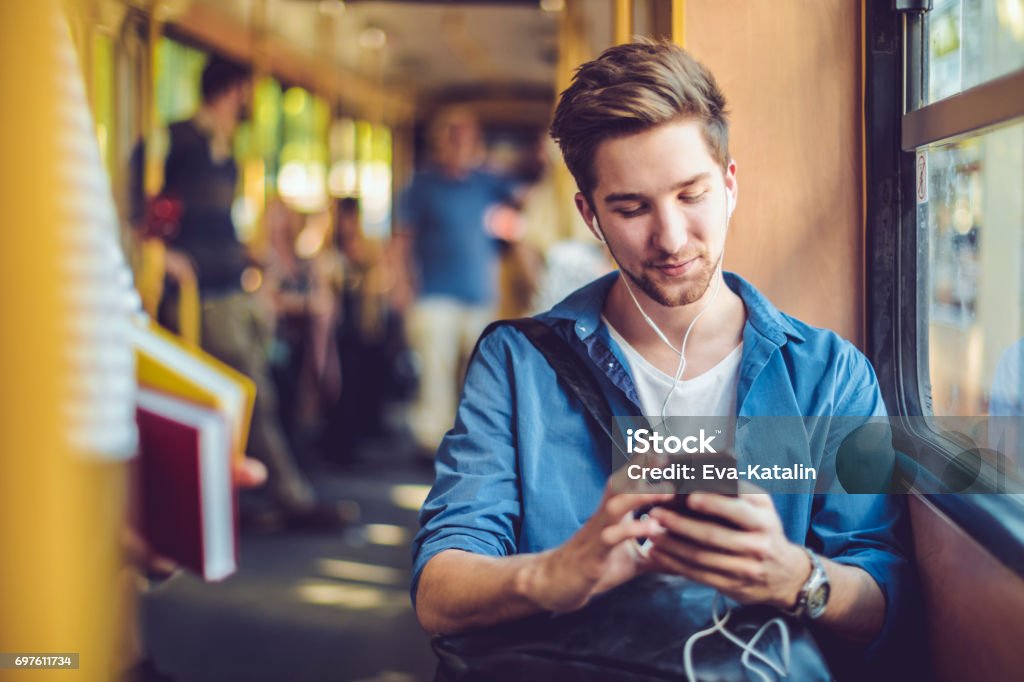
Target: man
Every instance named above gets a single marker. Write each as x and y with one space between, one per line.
521 518
444 241
200 172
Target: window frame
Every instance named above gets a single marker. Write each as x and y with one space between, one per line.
897 121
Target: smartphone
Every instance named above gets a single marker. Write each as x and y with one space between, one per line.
719 482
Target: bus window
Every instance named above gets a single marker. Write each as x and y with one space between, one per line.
971 42
970 209
945 237
973 215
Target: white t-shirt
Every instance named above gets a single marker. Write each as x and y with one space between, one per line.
712 394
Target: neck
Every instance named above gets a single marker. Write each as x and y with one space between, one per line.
453 171
216 121
673 321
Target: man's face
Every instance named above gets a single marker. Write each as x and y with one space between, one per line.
243 93
458 146
661 202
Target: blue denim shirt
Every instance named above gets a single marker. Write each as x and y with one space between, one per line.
523 468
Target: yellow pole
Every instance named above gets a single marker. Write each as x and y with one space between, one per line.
622 21
150 278
254 182
154 171
679 22
59 513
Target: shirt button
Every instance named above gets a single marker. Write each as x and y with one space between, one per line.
610 365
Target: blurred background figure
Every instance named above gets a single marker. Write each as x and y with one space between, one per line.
452 261
1006 407
201 173
367 338
554 261
296 305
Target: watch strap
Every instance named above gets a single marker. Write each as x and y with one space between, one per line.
816 577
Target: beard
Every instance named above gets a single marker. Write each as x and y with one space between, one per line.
680 294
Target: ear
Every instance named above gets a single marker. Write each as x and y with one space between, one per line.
587 214
732 185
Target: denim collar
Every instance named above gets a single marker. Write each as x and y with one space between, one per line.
583 307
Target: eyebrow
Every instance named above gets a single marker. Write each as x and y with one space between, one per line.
634 196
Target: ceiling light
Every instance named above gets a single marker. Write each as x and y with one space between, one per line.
552 5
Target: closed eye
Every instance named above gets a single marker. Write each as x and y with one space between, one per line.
630 211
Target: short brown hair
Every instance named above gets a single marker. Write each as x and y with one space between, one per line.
631 88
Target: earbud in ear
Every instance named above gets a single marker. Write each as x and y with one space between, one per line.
730 204
597 228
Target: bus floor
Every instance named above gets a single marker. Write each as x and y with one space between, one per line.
307 606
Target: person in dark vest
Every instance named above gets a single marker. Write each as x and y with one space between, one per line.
200 173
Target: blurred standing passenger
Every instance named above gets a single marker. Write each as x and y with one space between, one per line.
452 263
200 172
364 331
287 288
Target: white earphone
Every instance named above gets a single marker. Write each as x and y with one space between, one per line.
681 350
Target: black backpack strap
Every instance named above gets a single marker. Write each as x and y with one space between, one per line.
568 365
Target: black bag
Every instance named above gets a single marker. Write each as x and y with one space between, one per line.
636 631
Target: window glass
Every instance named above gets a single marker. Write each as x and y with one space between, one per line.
375 185
302 179
972 41
973 216
178 71
102 95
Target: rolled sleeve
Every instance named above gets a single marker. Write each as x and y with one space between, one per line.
474 504
869 531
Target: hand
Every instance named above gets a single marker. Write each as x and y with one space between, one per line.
248 473
178 266
601 555
504 222
755 564
402 294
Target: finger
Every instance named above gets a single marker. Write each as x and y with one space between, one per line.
739 511
630 530
713 535
623 482
250 473
617 506
758 498
666 563
160 565
739 567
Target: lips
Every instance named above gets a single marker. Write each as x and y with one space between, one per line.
678 268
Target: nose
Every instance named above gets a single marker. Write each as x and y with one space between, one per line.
670 230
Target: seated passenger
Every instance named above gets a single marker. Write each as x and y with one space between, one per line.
521 518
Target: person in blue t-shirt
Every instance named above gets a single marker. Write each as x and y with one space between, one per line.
449 251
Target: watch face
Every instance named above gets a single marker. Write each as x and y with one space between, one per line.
817 600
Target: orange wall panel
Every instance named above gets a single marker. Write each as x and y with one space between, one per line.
791 74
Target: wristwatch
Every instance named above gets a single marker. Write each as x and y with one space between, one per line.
813 596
